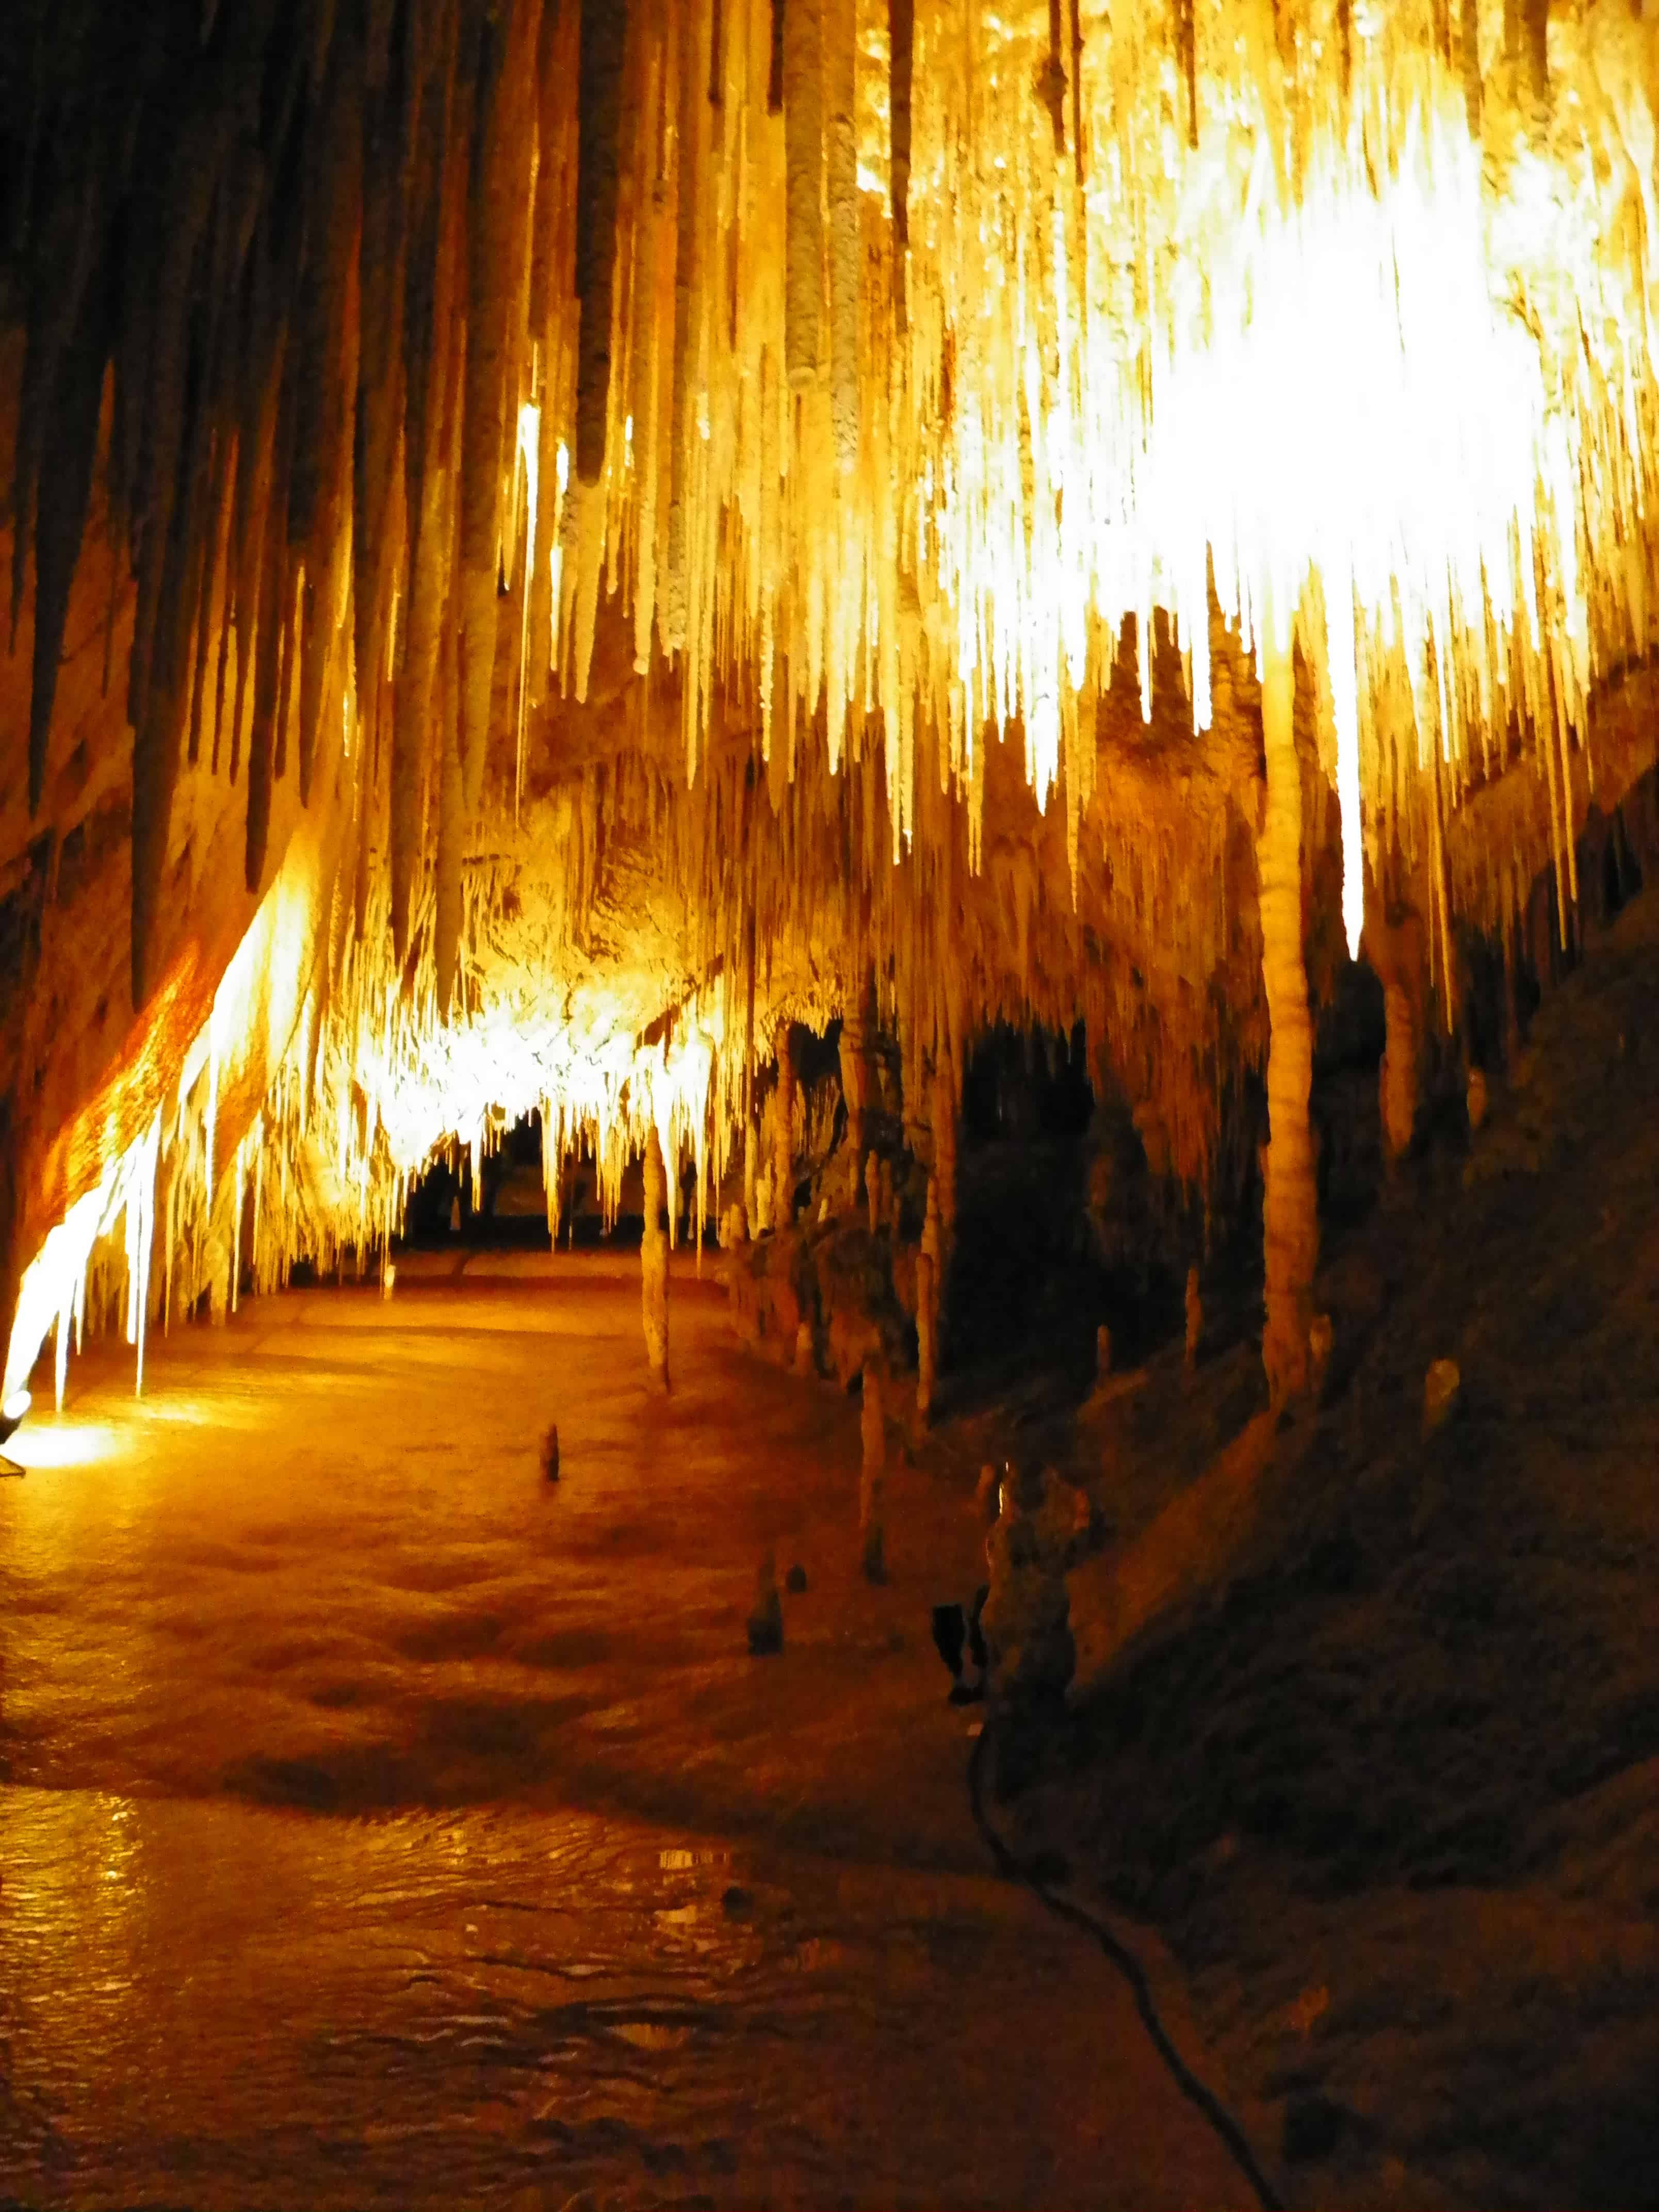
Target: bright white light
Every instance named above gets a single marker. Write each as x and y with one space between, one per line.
16 1407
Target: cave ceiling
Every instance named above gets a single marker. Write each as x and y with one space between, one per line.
551 538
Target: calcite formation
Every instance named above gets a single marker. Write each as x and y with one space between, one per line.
552 541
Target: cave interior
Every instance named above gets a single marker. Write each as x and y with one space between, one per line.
906 755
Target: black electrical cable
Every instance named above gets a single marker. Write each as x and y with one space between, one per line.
1225 2126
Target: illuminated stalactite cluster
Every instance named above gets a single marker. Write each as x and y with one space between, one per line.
893 421
890 443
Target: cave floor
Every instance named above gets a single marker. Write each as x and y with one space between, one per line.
381 1824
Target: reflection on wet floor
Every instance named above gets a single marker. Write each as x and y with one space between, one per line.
378 1826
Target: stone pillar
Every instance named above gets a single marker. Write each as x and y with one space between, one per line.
1290 1205
855 1090
653 1264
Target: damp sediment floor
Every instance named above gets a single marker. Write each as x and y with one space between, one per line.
381 1825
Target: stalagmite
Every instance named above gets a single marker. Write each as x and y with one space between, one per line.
653 1264
1290 1215
1194 1319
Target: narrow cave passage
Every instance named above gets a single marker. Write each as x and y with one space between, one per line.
376 1814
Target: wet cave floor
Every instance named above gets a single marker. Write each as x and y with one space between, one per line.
381 1825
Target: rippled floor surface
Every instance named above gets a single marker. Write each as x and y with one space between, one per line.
379 1825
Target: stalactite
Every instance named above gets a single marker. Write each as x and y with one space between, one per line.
452 816
388 183
1469 54
491 238
321 482
70 435
675 585
846 242
802 119
269 639
603 34
158 734
363 239
900 45
204 592
434 354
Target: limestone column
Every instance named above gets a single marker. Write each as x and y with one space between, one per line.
653 1264
855 1090
1290 1205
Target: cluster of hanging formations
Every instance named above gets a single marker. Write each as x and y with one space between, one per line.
905 432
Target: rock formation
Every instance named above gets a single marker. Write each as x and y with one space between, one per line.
463 668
